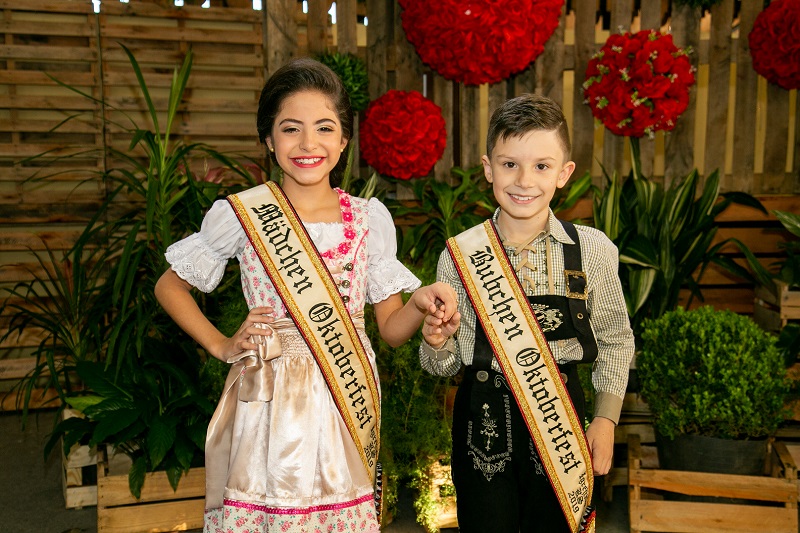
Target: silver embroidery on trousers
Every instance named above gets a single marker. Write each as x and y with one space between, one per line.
487 463
549 319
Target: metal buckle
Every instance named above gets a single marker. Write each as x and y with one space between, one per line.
577 274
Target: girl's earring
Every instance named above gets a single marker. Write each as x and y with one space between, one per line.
271 149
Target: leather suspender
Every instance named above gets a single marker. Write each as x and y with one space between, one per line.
577 291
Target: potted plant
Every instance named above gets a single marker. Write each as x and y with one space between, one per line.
140 375
711 378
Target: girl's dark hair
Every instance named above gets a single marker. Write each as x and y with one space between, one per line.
299 75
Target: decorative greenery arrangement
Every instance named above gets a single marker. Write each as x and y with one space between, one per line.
142 394
664 236
774 43
484 41
638 83
353 73
713 373
402 135
441 211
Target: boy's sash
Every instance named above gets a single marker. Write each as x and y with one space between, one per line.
529 367
312 299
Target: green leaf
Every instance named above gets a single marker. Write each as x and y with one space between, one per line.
790 221
109 426
136 476
160 439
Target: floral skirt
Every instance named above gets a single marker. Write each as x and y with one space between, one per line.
288 464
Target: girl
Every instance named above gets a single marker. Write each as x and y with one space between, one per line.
293 443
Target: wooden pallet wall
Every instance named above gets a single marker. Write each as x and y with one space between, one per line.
736 121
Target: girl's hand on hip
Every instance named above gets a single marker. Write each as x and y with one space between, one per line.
241 340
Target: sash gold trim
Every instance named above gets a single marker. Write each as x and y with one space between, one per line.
528 365
312 299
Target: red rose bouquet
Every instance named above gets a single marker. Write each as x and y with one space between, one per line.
638 83
775 43
479 41
402 135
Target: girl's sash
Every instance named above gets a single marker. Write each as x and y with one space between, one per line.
529 367
312 299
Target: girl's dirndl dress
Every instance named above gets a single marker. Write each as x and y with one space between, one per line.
282 459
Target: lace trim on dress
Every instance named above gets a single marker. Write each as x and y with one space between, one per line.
389 277
195 262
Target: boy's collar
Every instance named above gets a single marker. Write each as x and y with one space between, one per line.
554 227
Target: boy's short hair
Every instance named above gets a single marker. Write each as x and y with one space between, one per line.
526 113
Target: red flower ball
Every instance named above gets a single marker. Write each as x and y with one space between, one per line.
479 41
775 43
638 83
403 135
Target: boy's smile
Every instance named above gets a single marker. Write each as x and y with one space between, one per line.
525 172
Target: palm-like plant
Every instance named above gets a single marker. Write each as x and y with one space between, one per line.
664 236
139 371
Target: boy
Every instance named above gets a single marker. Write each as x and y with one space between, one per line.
520 460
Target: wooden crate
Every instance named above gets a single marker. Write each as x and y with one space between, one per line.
775 308
774 497
79 490
442 492
159 508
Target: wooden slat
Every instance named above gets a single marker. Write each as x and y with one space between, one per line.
688 517
168 516
551 80
760 488
347 26
49 6
583 121
470 127
443 97
774 178
71 29
317 28
678 154
719 70
745 109
157 11
46 53
280 32
614 145
377 45
112 53
114 491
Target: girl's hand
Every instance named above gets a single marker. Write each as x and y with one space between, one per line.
437 297
240 341
600 436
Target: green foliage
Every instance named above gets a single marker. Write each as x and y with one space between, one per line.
145 392
353 73
664 236
441 211
67 302
712 373
155 412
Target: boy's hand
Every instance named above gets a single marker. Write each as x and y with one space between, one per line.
600 436
436 330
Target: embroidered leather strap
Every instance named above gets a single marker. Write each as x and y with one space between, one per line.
529 367
312 299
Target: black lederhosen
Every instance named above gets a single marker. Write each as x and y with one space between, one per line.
500 484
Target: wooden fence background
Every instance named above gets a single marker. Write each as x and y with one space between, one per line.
736 122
